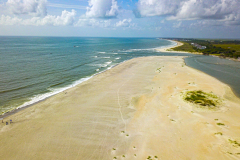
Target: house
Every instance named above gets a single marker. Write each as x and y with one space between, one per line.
198 46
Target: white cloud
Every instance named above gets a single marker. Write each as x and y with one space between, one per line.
91 22
102 9
66 18
124 23
56 5
157 7
177 25
214 9
7 20
221 10
31 7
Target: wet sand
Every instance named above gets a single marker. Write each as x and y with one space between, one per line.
132 111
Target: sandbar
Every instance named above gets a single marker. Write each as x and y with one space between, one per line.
132 111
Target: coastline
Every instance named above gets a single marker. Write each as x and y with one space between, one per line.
45 96
169 49
33 102
166 49
135 108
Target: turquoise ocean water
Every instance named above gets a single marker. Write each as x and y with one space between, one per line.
34 68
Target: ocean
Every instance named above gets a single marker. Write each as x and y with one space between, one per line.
35 68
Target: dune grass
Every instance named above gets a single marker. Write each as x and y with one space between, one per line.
201 98
235 143
185 47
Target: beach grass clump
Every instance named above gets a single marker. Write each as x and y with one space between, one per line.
201 98
220 124
159 70
235 143
218 133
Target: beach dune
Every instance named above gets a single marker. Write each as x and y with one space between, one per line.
132 111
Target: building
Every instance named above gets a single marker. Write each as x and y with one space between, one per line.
198 46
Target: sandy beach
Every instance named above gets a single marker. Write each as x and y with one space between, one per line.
169 49
132 111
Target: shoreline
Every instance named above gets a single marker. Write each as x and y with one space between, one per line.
169 49
22 107
26 105
133 110
165 49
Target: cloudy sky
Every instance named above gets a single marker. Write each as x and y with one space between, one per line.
121 18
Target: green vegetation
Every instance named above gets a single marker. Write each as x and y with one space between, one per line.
185 47
235 143
114 149
216 119
159 69
220 124
222 48
218 133
235 47
114 157
201 98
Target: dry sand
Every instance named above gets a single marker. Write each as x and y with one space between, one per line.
129 112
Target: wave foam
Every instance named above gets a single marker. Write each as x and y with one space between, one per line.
171 45
135 50
52 92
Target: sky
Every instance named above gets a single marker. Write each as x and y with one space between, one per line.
121 18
